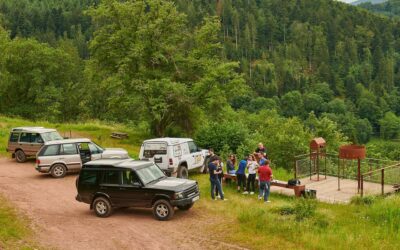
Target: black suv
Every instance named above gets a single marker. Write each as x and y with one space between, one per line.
109 183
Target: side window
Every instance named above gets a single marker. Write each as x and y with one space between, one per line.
192 147
68 149
94 149
36 138
129 177
111 177
25 137
88 177
14 137
51 150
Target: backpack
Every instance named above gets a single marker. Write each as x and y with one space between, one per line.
293 182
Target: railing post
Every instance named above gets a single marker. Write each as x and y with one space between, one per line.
338 174
383 181
362 185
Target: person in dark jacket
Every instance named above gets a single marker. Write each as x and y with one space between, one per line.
212 169
207 160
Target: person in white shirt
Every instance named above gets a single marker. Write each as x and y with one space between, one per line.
252 167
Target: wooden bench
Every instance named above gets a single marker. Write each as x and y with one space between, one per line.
119 135
297 188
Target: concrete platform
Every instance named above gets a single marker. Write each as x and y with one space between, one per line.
327 189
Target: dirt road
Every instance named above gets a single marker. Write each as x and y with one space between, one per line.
61 222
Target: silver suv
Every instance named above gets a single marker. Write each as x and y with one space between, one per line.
60 157
27 141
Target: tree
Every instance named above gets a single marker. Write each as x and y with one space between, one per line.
292 104
389 126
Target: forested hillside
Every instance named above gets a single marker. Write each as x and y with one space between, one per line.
279 71
389 8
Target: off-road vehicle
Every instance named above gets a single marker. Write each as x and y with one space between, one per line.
25 142
175 156
62 156
110 183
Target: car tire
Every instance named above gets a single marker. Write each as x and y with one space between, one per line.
186 207
20 156
163 210
58 171
183 172
102 207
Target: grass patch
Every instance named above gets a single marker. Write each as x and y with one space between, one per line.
288 222
14 231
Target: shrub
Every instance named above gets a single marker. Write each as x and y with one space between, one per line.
304 209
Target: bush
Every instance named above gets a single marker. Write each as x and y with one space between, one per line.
218 135
305 209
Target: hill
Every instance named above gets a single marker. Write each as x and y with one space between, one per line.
206 66
368 1
389 8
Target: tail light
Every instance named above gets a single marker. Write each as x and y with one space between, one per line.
37 161
171 161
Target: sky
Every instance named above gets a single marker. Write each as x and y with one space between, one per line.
346 1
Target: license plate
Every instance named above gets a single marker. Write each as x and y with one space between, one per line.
196 198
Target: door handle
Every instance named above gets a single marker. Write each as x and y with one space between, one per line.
102 187
61 158
122 188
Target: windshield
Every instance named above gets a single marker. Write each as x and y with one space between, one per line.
149 174
51 136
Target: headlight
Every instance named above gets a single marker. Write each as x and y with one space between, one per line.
179 195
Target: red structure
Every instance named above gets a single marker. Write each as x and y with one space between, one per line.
317 153
352 152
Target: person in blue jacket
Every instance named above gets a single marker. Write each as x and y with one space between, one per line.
241 175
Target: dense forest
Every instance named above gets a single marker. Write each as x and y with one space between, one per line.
230 73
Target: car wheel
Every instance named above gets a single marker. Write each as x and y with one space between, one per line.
102 207
163 210
186 207
183 172
20 156
58 171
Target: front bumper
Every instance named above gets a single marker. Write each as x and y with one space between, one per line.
42 169
185 201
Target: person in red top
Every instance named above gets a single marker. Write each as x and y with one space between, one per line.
265 176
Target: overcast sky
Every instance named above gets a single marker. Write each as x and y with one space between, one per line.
347 1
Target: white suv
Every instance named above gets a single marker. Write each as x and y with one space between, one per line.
175 156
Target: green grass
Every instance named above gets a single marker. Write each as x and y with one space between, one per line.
288 222
14 230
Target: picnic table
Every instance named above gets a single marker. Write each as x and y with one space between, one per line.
298 189
119 135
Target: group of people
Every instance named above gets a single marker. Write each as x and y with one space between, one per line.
257 162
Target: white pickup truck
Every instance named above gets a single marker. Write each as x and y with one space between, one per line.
175 156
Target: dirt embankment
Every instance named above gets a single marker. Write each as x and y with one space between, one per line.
61 222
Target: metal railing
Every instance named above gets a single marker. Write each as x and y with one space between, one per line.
389 175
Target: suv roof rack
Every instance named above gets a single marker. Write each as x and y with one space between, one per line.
26 128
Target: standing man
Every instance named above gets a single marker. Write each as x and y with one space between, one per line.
260 151
212 169
207 160
265 176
